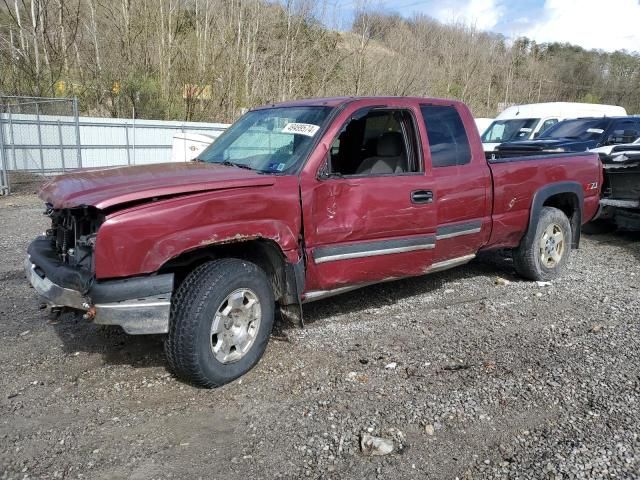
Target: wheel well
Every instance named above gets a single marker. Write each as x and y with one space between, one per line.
569 204
264 253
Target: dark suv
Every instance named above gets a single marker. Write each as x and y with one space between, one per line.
577 135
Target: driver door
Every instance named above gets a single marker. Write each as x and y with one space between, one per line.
372 215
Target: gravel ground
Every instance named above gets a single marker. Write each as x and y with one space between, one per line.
470 379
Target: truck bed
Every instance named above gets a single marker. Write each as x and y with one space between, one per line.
517 179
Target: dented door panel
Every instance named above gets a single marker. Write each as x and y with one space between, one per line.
375 217
367 208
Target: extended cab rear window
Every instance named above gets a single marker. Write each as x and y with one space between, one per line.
448 140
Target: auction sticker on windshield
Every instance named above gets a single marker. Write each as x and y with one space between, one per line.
307 129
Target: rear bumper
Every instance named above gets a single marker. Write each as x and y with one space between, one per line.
140 305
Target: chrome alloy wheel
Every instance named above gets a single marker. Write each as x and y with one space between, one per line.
552 246
235 325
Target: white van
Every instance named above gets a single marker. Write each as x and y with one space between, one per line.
525 122
188 145
483 123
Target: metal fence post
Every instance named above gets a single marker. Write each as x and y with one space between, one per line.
184 142
5 187
61 145
77 119
11 139
40 139
126 136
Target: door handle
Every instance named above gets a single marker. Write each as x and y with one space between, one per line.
422 196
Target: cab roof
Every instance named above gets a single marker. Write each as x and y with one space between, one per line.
338 101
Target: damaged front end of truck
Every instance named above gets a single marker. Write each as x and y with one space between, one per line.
60 265
122 240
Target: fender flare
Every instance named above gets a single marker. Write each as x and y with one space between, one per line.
548 191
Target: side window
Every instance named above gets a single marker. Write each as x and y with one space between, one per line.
547 123
624 132
448 140
375 142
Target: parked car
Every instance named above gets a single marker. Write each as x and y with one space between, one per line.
526 122
293 203
620 202
618 149
577 135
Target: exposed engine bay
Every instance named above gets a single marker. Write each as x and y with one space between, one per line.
73 234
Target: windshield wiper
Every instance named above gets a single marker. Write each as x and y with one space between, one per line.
234 164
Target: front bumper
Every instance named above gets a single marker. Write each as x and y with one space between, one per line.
140 305
54 294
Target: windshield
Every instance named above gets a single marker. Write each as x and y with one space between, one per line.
506 130
270 140
580 129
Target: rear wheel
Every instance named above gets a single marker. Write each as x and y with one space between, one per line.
543 256
221 319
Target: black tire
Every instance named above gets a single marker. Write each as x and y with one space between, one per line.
188 346
528 258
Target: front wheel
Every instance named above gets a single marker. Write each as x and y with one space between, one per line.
221 319
543 256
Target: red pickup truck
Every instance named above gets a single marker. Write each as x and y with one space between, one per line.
295 202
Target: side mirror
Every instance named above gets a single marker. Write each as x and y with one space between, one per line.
537 134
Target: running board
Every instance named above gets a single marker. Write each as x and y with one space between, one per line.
454 262
314 295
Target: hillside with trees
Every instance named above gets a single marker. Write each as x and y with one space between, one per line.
212 59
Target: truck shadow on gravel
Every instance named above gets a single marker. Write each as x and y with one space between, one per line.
627 240
145 351
489 266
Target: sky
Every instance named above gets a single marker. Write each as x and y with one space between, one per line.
592 24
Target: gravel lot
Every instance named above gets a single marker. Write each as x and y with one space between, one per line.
469 378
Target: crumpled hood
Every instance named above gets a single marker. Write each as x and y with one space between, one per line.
105 188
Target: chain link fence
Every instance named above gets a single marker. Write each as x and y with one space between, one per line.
38 136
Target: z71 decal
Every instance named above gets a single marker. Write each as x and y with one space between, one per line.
592 186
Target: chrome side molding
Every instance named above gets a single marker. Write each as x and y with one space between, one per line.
333 253
314 295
